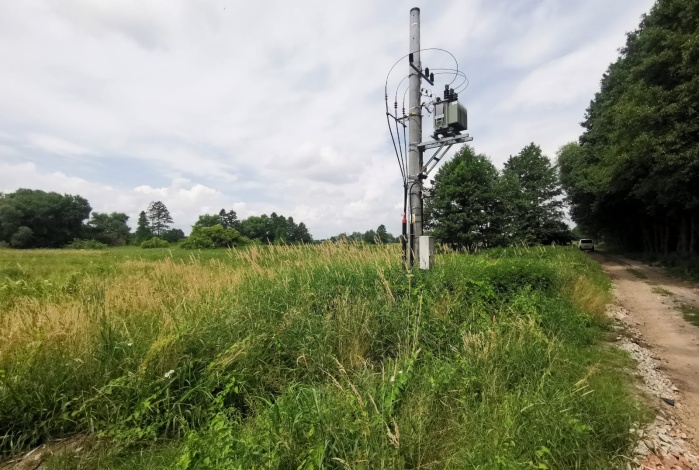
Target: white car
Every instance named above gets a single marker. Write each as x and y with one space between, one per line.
586 244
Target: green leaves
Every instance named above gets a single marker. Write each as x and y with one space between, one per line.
634 176
273 228
110 229
466 209
474 206
535 206
37 219
214 237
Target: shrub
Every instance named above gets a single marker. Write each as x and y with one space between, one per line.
92 244
173 235
22 238
214 237
155 242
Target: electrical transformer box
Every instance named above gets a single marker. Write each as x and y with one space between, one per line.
449 117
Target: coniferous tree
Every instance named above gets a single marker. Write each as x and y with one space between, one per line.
143 231
159 218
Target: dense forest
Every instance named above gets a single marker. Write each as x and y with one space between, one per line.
633 178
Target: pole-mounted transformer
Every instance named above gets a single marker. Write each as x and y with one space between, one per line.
450 119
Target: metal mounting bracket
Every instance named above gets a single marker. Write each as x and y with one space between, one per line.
432 162
451 140
442 146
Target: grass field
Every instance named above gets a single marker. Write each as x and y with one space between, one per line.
311 357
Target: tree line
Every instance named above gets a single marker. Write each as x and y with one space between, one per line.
378 236
473 205
633 177
31 218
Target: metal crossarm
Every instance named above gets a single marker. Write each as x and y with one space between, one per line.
445 141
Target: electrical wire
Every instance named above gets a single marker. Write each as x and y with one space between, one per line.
458 90
403 156
460 74
401 151
421 50
405 143
400 164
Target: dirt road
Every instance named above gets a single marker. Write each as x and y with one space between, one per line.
662 310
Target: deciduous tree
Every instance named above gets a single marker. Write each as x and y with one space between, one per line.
229 219
467 210
208 220
533 195
635 173
54 219
173 235
111 229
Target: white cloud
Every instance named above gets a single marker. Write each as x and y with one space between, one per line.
275 106
565 80
185 200
55 145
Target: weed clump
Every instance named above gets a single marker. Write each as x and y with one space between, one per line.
155 242
80 244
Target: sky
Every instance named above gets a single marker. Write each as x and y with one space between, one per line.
278 106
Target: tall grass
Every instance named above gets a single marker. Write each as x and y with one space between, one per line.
312 357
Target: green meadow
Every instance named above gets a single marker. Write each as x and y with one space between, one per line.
309 357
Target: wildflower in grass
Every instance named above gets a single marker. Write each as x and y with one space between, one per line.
169 373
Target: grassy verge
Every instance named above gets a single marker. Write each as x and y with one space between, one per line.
312 357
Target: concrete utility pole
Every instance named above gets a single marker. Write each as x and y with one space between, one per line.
414 138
